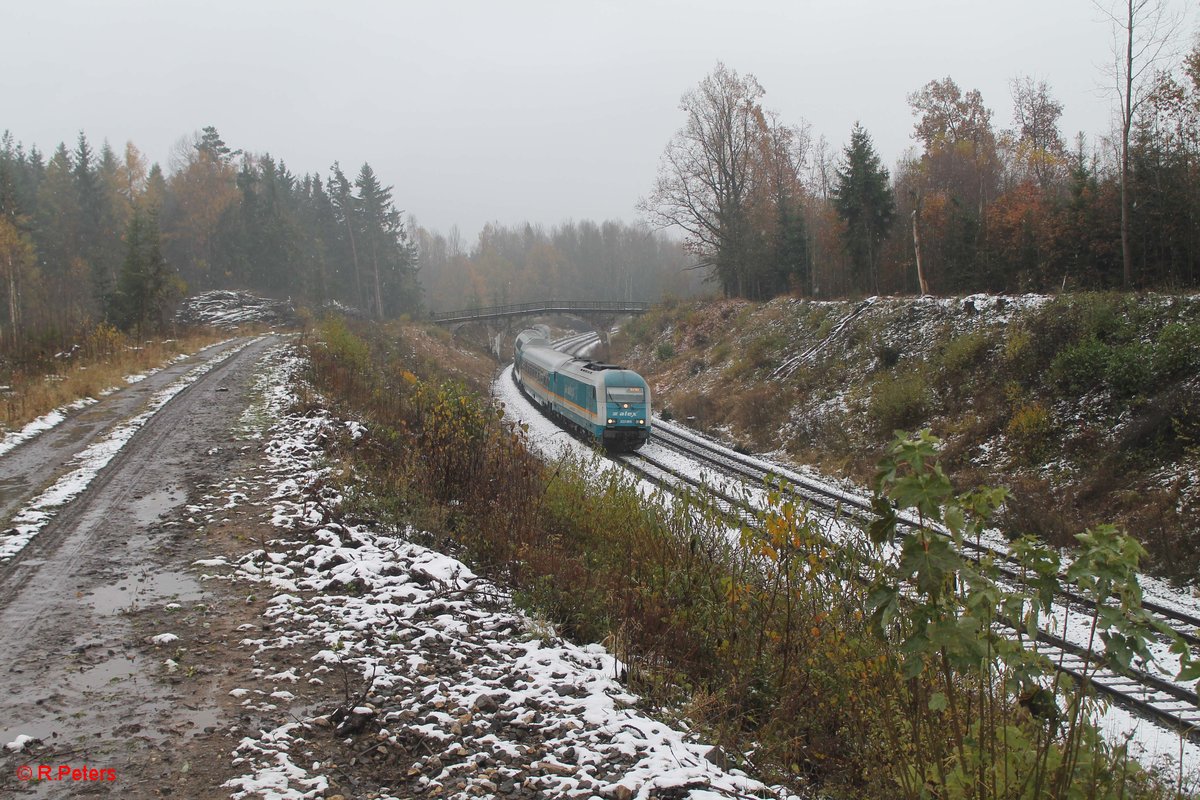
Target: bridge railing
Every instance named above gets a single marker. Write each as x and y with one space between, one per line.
541 306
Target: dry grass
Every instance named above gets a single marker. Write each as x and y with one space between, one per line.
102 363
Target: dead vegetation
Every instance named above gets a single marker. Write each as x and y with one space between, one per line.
100 361
1084 404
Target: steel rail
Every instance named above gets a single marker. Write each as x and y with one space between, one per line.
1136 690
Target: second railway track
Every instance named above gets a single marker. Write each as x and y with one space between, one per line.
1168 703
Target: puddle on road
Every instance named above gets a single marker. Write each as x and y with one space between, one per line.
152 507
97 677
13 489
45 729
137 591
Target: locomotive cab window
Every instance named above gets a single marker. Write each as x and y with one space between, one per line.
626 394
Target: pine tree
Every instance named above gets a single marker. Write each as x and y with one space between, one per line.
345 211
213 146
146 283
863 199
391 257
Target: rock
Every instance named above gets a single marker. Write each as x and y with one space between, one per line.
717 756
555 768
486 704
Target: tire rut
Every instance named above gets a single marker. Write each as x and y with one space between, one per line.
73 673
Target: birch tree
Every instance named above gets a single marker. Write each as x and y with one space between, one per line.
1144 33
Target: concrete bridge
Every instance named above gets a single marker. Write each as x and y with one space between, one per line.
600 314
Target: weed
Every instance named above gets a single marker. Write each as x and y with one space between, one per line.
102 359
1029 428
696 407
760 410
1018 348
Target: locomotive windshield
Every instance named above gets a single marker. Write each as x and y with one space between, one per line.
626 394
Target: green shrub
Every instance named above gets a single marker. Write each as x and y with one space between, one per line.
344 348
962 353
1176 350
1080 367
665 351
887 355
1017 347
898 401
1104 316
1130 370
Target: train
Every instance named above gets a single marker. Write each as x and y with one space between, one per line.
604 403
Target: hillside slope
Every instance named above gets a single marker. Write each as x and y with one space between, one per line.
1086 406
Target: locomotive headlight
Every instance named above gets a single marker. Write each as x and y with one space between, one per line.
612 422
641 422
624 405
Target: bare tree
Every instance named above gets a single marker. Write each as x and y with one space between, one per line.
821 169
705 178
1144 34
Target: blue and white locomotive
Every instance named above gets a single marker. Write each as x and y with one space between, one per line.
605 403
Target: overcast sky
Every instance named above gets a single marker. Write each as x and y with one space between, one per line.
510 110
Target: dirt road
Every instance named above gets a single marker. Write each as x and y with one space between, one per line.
211 619
76 669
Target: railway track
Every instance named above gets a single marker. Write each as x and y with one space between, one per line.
1165 702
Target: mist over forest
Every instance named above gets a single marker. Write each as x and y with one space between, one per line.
745 203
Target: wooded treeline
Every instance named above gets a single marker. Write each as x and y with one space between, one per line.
984 207
571 261
91 236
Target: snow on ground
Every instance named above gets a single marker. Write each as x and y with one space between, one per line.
41 424
58 415
37 514
542 436
480 699
227 309
1150 743
138 377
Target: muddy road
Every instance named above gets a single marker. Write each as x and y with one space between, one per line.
78 671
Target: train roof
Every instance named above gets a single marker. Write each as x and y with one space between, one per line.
545 356
608 374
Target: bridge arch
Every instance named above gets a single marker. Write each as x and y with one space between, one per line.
600 314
